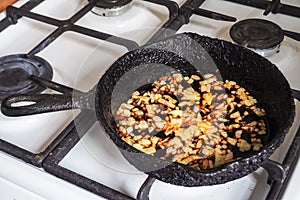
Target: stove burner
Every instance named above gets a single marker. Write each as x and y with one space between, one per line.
262 36
110 8
15 71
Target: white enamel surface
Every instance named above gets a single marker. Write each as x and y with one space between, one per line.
19 192
36 183
142 15
78 61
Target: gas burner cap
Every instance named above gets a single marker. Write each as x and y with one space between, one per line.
15 71
260 35
110 8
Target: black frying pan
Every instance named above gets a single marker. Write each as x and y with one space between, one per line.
253 72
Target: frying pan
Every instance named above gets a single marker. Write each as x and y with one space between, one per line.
256 74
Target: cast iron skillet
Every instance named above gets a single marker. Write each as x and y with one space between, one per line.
253 72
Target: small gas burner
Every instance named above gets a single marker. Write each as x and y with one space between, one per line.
15 72
110 8
262 36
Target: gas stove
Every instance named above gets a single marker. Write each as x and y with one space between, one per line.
66 154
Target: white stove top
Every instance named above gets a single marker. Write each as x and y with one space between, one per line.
78 61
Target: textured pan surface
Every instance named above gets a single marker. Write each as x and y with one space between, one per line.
260 77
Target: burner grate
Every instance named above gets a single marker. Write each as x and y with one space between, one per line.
68 25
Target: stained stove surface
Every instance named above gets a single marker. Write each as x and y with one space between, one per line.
78 61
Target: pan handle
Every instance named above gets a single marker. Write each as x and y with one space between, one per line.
29 104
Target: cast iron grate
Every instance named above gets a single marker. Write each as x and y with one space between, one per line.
274 6
49 159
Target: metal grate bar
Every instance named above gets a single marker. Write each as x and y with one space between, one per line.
54 86
144 191
51 163
276 174
173 14
15 151
67 25
274 6
171 5
189 8
9 20
291 34
176 24
289 163
129 44
212 15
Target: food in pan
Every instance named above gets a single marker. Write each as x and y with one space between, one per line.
197 121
